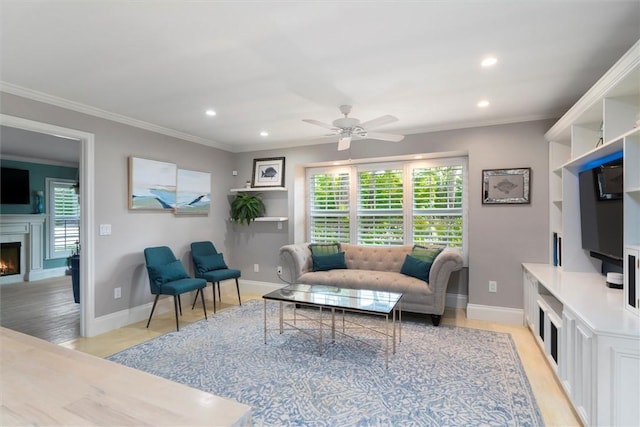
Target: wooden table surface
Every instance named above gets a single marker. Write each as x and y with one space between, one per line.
46 384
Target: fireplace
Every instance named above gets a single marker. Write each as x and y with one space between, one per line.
10 258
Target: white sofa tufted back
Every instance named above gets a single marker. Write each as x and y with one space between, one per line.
378 258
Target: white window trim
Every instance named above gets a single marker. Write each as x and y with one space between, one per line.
50 250
408 164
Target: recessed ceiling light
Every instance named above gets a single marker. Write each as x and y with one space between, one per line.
483 104
489 61
264 133
210 113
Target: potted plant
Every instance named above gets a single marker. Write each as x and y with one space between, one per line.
74 264
246 207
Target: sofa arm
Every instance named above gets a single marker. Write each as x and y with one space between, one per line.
447 261
296 260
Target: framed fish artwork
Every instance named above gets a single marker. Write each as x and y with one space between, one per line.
506 186
268 172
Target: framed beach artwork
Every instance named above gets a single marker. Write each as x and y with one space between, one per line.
193 196
268 172
506 186
152 185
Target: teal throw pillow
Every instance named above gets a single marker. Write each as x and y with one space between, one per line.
324 248
426 253
416 268
161 274
205 263
329 262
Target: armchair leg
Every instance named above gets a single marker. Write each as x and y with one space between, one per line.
213 291
201 290
176 298
179 304
238 288
219 297
155 301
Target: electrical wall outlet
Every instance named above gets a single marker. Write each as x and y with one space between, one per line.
493 286
256 268
117 293
279 269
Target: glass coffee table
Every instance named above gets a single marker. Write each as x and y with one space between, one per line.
331 298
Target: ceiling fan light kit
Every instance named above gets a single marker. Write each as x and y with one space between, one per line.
348 128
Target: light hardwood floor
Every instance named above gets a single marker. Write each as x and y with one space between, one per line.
554 405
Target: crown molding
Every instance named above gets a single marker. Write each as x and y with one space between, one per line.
103 114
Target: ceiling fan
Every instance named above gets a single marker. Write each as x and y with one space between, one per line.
348 128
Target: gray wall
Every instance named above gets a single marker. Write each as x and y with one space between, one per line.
500 237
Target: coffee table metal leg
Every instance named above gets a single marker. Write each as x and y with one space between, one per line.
320 331
265 321
281 318
400 318
386 343
333 324
394 330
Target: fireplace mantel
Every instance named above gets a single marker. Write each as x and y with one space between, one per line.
28 229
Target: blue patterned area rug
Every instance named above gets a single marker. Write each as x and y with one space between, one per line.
439 376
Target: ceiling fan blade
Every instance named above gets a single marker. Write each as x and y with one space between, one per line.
321 124
344 143
380 121
385 136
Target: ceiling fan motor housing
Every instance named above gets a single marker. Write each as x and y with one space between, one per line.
346 123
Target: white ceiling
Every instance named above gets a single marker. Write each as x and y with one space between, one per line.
266 65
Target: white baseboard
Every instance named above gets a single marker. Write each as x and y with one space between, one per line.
456 301
136 314
46 273
126 317
512 316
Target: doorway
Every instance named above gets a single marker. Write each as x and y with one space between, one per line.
86 178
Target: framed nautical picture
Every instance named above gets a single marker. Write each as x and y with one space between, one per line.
506 186
152 184
268 172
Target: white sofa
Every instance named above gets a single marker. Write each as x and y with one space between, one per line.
377 268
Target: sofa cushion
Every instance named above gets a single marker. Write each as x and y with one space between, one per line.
204 263
416 268
329 262
324 248
161 274
426 253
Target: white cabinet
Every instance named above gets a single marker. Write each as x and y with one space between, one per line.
589 339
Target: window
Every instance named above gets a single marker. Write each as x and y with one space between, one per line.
329 214
64 218
399 203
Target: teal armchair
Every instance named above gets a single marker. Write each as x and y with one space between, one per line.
167 276
208 264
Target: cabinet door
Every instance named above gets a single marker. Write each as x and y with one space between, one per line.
632 279
584 373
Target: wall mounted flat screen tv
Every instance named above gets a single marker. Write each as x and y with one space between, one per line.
601 209
14 186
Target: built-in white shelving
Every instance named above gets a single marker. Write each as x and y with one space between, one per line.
597 342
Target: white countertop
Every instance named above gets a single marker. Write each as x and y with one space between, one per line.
587 295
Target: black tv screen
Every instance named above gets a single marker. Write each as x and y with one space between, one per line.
601 209
14 184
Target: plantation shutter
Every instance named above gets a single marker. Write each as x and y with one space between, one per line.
438 205
329 207
380 202
64 228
